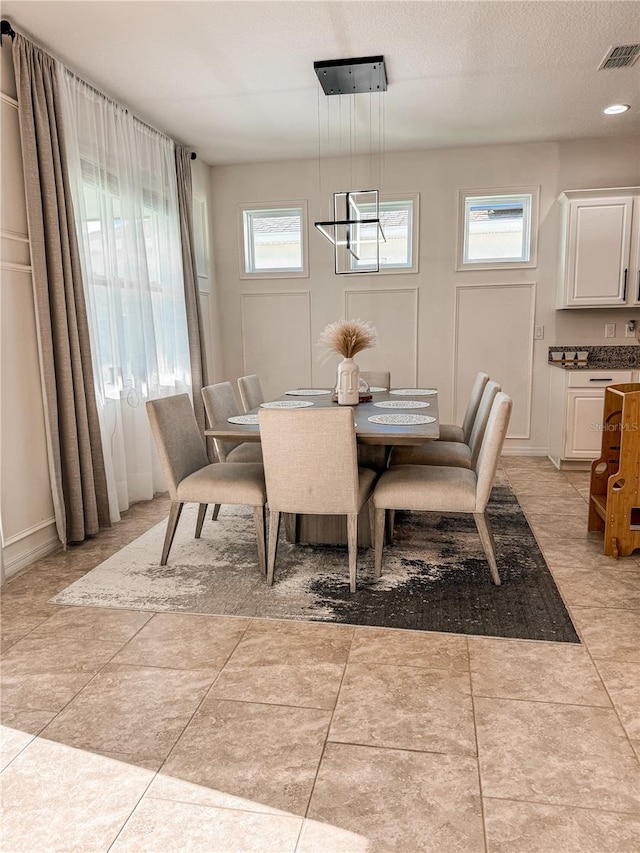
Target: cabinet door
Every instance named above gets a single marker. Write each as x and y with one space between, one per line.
584 423
598 245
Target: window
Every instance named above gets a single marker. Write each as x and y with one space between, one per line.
273 240
498 228
398 218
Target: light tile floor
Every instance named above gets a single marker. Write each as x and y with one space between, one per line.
131 731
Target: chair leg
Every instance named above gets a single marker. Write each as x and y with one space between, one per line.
202 509
274 528
216 510
352 545
379 539
172 523
391 521
258 517
486 537
372 521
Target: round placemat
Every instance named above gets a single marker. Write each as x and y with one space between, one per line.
243 419
307 392
402 404
415 392
287 404
402 420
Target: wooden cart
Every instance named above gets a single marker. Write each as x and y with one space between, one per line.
614 496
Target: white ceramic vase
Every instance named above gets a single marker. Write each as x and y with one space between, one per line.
347 386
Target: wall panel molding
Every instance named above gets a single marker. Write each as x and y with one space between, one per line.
8 265
7 99
497 320
29 531
394 313
6 234
277 316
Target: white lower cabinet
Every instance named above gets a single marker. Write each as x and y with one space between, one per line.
575 412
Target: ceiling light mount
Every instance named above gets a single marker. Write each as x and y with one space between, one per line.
352 76
616 109
356 228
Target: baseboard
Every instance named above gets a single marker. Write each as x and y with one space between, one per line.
21 551
523 450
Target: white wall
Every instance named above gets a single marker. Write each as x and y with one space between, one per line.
26 509
446 313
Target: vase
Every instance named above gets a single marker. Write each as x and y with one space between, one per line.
347 386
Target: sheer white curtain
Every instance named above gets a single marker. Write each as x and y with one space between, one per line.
125 203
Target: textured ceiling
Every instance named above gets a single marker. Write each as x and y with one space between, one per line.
235 80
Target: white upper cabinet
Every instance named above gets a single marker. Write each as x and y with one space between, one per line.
599 258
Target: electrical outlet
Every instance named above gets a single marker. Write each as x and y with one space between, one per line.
609 330
538 333
630 329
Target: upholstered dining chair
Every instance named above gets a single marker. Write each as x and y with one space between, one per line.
377 378
453 453
220 404
440 488
191 479
250 392
311 467
453 432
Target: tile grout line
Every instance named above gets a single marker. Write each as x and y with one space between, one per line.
326 742
483 816
176 741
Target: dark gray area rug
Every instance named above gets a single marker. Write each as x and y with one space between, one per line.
435 577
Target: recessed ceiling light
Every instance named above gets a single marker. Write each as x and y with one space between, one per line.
615 109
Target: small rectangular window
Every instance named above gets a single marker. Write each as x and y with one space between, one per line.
273 241
398 251
497 229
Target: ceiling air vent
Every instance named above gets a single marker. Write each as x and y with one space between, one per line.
623 56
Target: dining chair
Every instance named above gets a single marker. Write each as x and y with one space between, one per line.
452 453
191 478
377 378
311 467
250 392
440 488
453 432
220 404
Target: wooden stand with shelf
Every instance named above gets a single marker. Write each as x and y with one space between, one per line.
614 496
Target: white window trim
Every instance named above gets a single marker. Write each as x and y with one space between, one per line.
415 235
273 205
461 265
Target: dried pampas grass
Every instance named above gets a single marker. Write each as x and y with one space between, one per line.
347 337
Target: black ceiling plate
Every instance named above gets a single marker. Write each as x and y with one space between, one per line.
352 76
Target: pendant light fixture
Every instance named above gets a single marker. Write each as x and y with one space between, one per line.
355 230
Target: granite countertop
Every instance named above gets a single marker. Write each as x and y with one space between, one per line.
599 358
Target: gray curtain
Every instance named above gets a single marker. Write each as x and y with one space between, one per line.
74 446
197 353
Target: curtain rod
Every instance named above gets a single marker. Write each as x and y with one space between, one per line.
7 30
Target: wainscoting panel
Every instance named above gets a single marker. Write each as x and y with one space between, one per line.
26 494
394 313
494 333
12 206
276 339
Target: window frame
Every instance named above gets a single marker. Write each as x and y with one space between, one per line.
268 206
413 267
463 265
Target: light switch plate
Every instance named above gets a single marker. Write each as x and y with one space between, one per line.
609 330
538 333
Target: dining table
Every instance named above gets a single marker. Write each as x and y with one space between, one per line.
383 418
